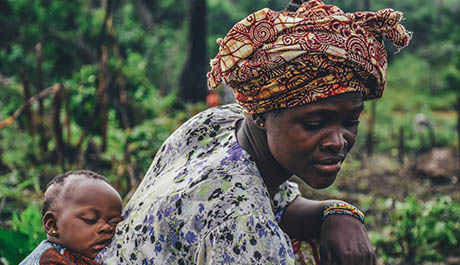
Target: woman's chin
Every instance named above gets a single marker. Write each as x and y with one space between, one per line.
319 182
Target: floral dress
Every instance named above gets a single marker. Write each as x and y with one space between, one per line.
203 201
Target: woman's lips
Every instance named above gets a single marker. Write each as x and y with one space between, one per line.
328 167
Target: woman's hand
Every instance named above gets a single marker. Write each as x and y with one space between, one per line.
344 241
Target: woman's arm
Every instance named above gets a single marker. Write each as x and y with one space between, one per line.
302 218
343 239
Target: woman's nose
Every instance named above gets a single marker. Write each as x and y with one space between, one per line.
335 140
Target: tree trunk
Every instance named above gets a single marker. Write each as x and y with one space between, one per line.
192 87
458 132
68 117
57 127
366 5
401 146
370 134
40 83
144 13
40 87
103 98
122 109
27 95
3 169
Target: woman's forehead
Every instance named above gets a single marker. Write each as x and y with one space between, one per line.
343 103
345 97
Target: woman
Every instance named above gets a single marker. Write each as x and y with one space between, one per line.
217 191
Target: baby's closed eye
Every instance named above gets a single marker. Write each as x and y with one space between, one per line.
88 220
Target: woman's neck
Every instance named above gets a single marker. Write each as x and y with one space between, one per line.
254 141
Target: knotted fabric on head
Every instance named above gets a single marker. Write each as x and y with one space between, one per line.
275 60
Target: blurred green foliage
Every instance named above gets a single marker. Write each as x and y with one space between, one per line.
420 232
26 234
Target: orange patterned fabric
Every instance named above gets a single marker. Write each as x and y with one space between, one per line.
275 60
67 257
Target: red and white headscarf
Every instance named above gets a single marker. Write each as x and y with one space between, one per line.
275 60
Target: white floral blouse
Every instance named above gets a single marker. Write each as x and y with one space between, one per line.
203 201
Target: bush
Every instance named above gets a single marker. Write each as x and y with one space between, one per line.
26 235
420 232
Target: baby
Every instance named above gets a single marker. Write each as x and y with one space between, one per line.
79 215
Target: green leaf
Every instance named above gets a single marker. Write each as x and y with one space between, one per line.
13 246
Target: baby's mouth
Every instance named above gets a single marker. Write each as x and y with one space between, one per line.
101 244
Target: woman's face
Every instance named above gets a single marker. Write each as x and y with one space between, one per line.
311 141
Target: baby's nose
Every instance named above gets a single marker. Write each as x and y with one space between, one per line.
107 228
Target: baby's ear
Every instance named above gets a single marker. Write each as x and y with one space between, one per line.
49 221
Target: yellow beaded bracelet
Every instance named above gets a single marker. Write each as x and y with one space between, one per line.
343 208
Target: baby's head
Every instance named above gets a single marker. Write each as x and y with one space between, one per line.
80 211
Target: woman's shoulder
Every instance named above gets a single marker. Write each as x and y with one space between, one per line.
225 111
224 116
208 132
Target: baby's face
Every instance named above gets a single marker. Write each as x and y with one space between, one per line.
87 216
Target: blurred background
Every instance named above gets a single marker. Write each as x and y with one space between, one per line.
100 84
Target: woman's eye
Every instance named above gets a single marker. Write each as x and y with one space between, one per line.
88 220
311 125
352 123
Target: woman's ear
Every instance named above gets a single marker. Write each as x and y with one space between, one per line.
259 120
49 221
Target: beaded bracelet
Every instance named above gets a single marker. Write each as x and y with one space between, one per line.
343 208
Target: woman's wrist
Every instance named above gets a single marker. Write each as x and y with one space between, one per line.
342 208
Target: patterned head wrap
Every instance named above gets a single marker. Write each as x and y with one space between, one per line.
275 60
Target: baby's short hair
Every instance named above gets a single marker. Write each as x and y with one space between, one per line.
60 181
